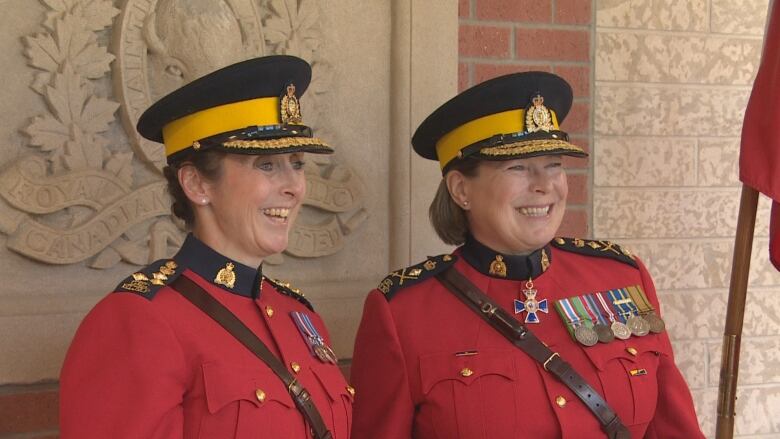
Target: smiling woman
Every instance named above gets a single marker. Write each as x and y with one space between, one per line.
203 345
466 345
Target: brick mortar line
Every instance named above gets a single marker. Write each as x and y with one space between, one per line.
523 24
514 61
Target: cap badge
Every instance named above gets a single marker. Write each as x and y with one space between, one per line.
290 107
537 116
226 276
498 267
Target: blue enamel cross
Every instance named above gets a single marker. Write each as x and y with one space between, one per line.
531 306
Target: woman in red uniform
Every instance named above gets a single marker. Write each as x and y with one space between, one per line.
427 365
149 361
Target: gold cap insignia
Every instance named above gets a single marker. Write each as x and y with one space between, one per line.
226 276
498 267
290 107
538 117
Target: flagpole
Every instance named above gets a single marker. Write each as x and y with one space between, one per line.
735 313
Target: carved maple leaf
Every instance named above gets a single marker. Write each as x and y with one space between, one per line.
71 41
71 131
98 14
292 27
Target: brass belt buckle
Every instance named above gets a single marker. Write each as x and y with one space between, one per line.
554 354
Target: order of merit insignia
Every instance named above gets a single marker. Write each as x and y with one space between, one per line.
313 339
531 306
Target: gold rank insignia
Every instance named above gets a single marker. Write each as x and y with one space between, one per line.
498 267
594 247
148 282
226 276
137 285
406 277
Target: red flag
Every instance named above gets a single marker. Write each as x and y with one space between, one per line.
759 158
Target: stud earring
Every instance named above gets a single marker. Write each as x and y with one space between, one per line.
466 203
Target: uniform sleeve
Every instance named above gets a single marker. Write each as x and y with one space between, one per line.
675 416
124 374
383 404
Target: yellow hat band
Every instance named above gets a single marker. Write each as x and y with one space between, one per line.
181 133
506 122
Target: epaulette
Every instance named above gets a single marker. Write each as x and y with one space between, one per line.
286 289
150 279
400 279
603 249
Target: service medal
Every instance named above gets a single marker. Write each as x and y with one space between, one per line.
620 330
638 326
586 336
656 323
313 339
603 332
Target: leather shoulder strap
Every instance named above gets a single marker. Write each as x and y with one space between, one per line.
209 305
526 341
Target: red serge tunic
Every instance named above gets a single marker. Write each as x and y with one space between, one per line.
427 367
145 363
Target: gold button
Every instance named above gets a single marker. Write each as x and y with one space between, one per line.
631 351
295 367
561 401
269 311
351 391
260 395
466 372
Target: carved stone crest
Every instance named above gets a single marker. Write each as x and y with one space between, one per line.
88 191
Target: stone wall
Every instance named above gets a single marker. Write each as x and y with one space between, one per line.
82 203
672 79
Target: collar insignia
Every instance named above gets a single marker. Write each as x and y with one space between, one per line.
226 276
498 267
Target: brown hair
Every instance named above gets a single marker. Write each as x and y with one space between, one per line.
208 163
447 217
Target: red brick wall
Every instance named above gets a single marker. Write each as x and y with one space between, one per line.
29 411
504 36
